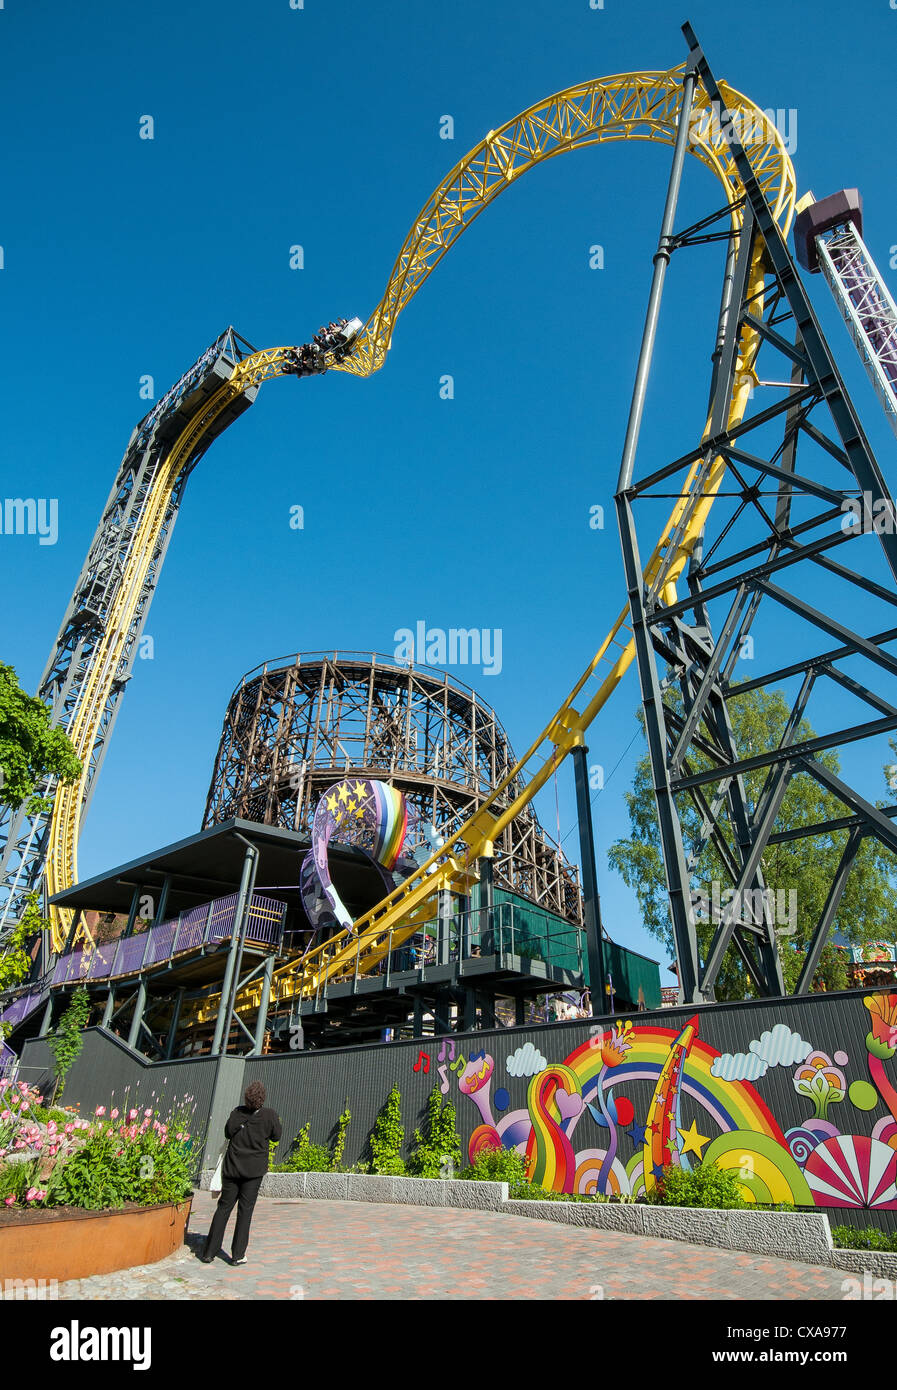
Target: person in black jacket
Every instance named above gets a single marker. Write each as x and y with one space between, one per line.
249 1128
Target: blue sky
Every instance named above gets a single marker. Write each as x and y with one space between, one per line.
321 126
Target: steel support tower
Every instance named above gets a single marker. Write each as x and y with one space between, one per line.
783 479
24 832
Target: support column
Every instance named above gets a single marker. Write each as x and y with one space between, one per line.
262 1020
444 926
47 1019
417 1026
670 832
110 1005
139 1006
591 899
235 951
486 904
173 1027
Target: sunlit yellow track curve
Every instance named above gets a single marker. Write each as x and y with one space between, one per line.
632 106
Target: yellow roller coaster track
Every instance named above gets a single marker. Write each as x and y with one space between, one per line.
632 106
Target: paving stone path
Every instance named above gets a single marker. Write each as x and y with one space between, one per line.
365 1250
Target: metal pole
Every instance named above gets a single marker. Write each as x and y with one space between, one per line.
247 876
175 1020
661 261
110 1005
262 1019
670 832
139 1005
47 1018
591 899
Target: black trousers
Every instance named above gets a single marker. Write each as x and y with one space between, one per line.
243 1191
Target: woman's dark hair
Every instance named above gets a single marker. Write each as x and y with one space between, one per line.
255 1095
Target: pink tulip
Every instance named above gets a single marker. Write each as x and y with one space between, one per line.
51 1127
114 1114
147 1113
69 1128
100 1110
31 1194
10 1201
132 1114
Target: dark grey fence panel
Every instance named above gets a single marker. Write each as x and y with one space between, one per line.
787 1089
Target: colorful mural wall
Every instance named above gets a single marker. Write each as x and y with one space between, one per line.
635 1097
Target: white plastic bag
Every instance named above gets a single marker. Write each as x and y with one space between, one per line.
217 1179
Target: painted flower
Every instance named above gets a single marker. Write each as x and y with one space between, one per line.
882 1040
821 1081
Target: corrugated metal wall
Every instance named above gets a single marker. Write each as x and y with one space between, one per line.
316 1086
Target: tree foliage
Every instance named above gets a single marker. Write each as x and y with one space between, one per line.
806 865
15 955
30 748
66 1042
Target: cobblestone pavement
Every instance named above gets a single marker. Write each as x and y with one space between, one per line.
365 1250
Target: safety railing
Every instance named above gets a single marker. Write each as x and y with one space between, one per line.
24 1005
201 926
9 1063
502 930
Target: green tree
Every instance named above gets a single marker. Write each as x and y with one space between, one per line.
15 958
30 748
66 1042
806 866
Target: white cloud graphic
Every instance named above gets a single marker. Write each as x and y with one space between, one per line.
780 1047
739 1066
526 1061
777 1047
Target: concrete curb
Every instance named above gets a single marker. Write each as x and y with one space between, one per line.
802 1236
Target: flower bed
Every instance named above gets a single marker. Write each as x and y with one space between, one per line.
94 1194
72 1243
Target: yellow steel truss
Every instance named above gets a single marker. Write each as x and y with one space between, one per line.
633 106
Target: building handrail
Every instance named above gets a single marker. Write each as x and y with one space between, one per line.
211 922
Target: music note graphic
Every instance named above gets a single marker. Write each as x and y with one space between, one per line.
447 1043
460 1064
422 1057
445 1081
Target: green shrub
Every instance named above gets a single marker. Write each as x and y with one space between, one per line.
339 1142
870 1238
305 1157
501 1165
436 1151
387 1138
708 1186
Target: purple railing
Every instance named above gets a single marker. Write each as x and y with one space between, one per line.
25 1004
8 1062
212 922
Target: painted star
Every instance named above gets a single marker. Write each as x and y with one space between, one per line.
343 793
359 789
331 803
657 1171
350 804
692 1141
637 1134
